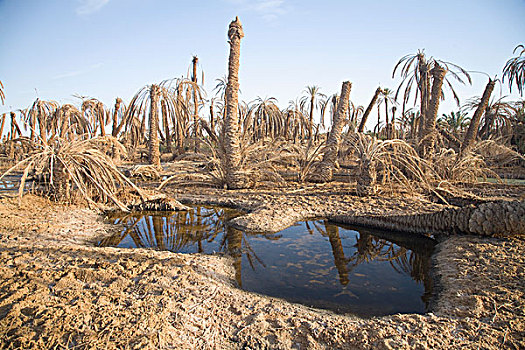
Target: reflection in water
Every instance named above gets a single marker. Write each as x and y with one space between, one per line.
346 269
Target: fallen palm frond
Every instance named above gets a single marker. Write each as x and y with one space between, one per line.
394 161
306 158
144 172
496 153
467 168
69 167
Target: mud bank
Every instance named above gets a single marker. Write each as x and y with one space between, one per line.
57 289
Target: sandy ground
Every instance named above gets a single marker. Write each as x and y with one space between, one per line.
59 291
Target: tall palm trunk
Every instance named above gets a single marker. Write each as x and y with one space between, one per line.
368 110
116 127
378 120
153 142
2 123
428 139
424 83
13 123
326 167
393 123
196 129
212 118
387 125
472 131
311 117
233 176
101 118
42 125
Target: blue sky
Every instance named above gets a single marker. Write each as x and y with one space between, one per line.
109 48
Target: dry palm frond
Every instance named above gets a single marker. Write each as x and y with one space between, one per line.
468 168
306 158
144 172
258 164
78 166
496 153
395 161
514 69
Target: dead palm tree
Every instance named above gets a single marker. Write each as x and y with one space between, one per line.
472 130
145 106
515 70
118 117
415 71
39 115
496 118
234 178
427 142
97 114
386 96
368 110
68 121
325 169
265 119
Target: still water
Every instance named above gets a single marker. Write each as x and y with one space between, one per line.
346 269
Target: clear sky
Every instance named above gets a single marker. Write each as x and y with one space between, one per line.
108 48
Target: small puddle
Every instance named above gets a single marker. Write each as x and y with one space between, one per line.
346 269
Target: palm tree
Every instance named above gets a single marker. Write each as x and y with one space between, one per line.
231 121
118 117
454 122
325 170
515 70
368 110
415 71
497 116
153 140
196 97
386 95
266 118
472 131
427 143
40 113
145 106
96 113
314 99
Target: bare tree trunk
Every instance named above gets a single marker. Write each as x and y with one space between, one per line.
311 117
326 167
472 131
117 127
423 89
234 178
101 118
196 124
2 123
393 133
212 120
153 142
387 125
368 110
165 122
13 123
428 140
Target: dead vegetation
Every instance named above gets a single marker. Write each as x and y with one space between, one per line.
71 295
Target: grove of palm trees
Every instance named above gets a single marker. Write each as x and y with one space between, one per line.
457 177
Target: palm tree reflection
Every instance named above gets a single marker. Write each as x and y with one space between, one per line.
182 231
